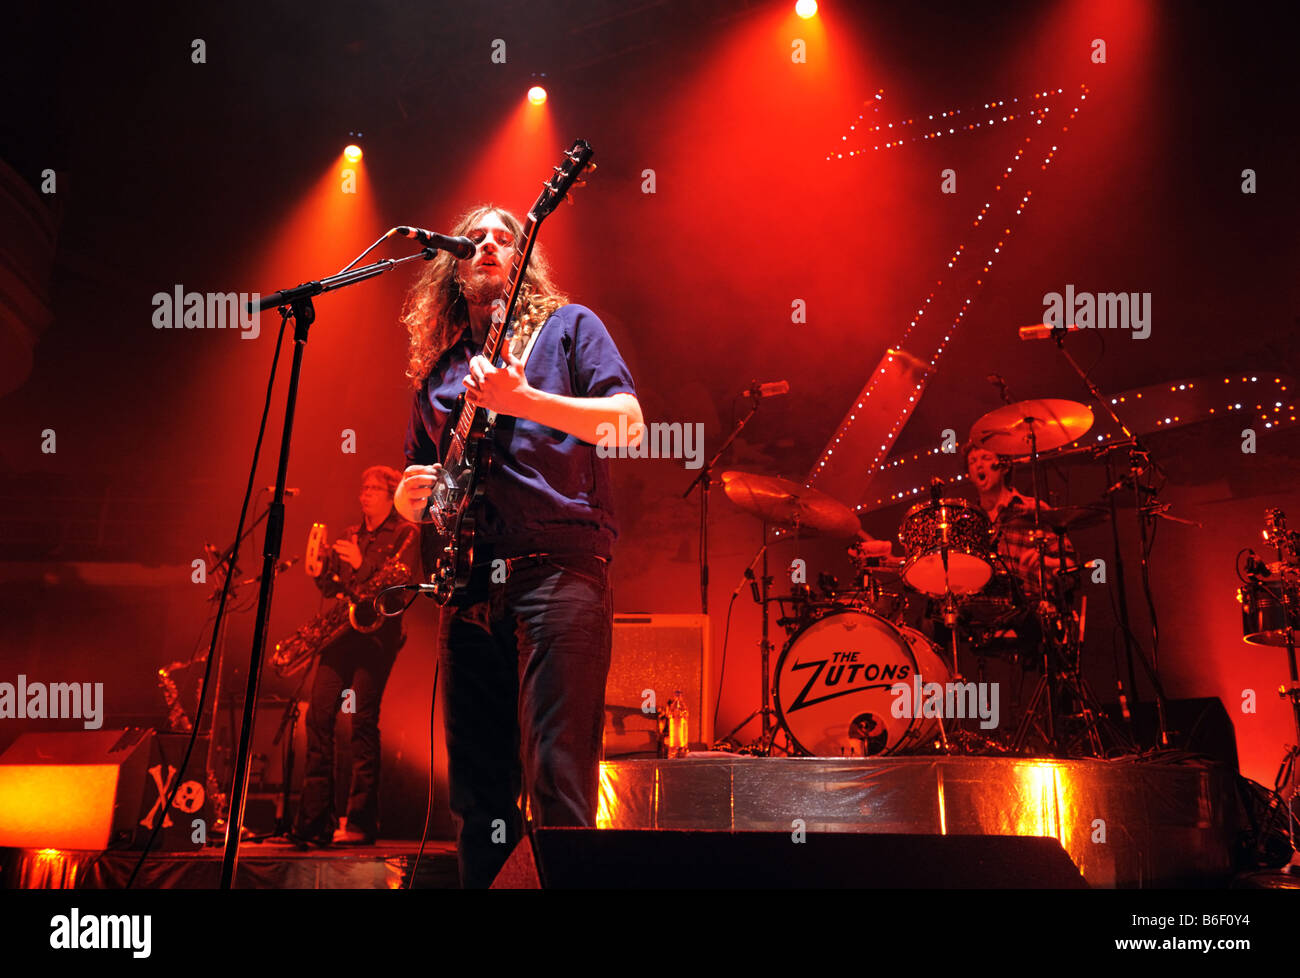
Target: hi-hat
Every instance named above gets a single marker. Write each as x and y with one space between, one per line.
1054 422
781 502
1065 518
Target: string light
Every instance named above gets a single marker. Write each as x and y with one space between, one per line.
951 331
1281 413
1038 112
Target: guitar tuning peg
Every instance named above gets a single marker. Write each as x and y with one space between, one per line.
591 167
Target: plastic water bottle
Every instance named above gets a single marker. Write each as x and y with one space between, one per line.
678 726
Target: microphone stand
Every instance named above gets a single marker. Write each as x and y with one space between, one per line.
705 481
1135 448
295 304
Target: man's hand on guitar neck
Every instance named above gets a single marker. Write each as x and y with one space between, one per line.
504 390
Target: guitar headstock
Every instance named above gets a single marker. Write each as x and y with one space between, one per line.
568 174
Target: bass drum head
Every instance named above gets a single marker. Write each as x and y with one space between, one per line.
834 681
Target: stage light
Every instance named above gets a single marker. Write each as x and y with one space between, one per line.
805 8
537 95
352 153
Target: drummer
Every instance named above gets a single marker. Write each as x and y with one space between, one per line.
1011 513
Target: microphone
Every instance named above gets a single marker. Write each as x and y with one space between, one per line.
1041 331
287 490
773 388
461 247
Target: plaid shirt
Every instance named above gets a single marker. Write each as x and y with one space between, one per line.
1014 540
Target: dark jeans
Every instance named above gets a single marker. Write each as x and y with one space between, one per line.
360 663
524 664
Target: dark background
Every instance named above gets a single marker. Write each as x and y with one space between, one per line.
225 176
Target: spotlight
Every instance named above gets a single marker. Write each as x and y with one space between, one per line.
805 8
352 153
537 95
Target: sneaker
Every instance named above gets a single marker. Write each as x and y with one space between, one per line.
348 836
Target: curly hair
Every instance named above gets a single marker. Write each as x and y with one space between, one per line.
435 311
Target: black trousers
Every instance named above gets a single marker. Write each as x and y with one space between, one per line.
361 664
524 665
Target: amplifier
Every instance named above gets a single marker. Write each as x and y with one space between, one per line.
76 789
653 657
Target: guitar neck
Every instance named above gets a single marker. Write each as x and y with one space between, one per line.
502 315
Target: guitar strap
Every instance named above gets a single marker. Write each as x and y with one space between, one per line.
523 358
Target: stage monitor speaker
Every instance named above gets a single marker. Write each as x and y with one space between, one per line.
191 801
1201 726
648 859
656 654
76 789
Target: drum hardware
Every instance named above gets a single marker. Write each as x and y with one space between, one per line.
1044 425
1270 600
1140 465
761 590
780 503
704 479
1064 519
1032 427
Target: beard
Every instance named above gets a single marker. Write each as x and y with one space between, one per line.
481 289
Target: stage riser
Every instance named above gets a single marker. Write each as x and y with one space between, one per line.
1163 824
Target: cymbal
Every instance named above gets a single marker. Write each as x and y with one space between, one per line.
1054 422
1062 517
781 502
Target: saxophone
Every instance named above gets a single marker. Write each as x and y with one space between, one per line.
358 613
176 718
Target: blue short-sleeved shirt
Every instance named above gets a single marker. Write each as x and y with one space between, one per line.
548 492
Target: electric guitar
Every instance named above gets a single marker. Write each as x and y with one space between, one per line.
467 446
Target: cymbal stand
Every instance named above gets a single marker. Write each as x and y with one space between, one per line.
1049 680
761 590
1136 449
1288 554
1062 640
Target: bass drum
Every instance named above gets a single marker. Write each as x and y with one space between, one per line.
834 686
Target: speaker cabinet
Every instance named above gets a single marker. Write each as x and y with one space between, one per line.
645 859
656 655
76 789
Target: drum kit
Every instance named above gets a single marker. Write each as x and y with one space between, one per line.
845 676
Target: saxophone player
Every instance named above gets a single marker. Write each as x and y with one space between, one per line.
354 662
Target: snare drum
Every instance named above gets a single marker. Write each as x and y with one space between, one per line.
834 686
957 526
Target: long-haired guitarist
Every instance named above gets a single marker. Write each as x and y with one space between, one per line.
526 650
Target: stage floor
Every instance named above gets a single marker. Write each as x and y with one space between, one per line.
384 866
1124 823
